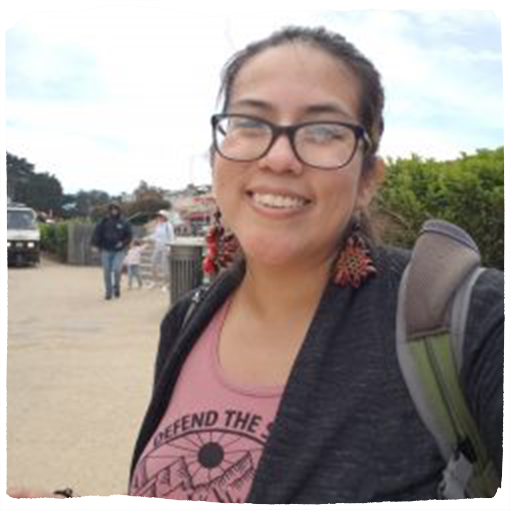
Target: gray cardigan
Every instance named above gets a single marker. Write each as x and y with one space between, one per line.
346 429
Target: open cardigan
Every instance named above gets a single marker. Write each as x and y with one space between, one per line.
347 429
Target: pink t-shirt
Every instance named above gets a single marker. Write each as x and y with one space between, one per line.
209 443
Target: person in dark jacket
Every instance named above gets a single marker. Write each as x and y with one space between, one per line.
112 237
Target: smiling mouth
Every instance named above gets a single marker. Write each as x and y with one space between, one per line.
276 201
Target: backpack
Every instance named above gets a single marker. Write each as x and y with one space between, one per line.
432 311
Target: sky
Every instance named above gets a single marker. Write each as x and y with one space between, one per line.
103 97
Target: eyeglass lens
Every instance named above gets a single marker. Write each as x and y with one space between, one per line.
324 145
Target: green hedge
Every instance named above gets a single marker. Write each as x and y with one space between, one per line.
468 191
54 239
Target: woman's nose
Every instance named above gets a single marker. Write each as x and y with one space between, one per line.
281 157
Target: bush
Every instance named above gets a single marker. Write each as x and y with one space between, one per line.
144 209
54 239
468 192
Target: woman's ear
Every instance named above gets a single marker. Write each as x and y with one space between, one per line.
212 155
369 183
213 174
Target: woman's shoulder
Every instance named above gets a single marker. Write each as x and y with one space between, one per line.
487 301
170 329
390 260
491 281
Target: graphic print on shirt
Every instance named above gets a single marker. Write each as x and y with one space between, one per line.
206 456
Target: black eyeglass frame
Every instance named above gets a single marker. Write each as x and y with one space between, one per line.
289 131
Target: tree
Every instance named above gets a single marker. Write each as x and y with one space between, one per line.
42 191
19 172
146 192
145 209
88 201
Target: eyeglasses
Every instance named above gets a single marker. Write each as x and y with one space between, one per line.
325 145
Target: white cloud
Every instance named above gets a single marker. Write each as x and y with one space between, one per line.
430 78
135 86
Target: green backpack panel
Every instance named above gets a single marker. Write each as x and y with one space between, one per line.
432 311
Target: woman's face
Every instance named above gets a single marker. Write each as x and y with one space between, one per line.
281 210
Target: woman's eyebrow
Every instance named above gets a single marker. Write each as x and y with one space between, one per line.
252 103
327 108
314 109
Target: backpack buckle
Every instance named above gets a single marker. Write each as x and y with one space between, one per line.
456 476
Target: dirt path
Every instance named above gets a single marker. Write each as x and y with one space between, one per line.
79 373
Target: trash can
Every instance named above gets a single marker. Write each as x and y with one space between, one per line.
185 268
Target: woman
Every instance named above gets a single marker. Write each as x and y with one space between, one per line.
282 385
162 237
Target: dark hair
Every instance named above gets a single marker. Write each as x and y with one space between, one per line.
114 205
371 95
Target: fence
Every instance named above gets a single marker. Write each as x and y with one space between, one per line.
184 264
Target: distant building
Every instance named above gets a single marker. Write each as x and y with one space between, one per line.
127 197
195 210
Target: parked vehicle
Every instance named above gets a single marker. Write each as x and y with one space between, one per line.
23 237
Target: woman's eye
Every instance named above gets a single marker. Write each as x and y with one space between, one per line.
247 128
324 133
247 124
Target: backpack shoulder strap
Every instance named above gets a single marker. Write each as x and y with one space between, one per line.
228 279
459 315
196 299
432 310
443 256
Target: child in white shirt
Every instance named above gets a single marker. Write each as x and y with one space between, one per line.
132 262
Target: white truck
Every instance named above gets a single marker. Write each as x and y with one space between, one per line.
23 237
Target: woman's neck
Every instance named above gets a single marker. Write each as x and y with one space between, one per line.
276 292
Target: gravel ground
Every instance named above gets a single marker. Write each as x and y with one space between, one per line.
79 372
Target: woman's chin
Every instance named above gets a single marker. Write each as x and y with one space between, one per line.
273 254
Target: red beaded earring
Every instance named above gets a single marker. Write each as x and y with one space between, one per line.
222 247
354 264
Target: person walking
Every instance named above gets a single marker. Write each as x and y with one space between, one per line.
132 263
162 237
112 236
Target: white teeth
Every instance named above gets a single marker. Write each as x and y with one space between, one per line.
278 201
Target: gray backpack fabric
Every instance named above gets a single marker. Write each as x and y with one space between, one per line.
432 310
